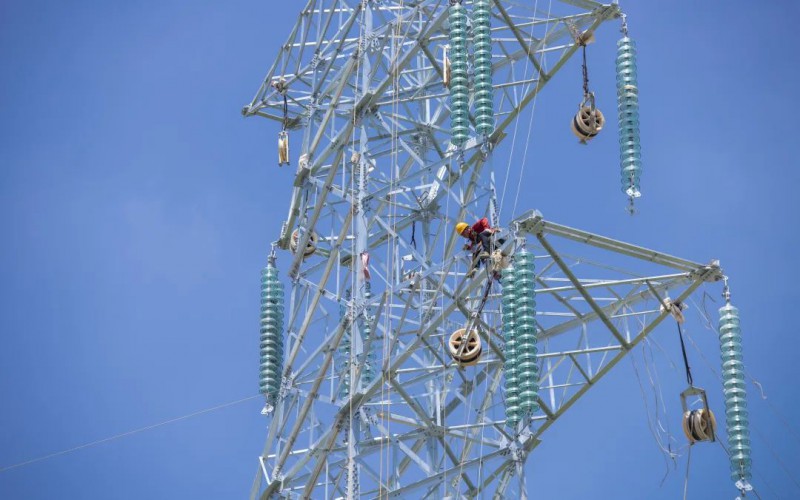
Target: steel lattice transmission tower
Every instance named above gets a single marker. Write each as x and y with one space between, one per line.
370 402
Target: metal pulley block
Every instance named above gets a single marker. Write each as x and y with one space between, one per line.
698 425
283 148
589 120
465 349
311 246
675 309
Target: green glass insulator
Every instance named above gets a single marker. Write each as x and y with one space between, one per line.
628 112
271 333
482 62
526 331
459 82
368 372
736 416
513 410
343 352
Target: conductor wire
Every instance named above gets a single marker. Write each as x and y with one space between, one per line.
125 434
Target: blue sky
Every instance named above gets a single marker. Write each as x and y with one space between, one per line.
137 206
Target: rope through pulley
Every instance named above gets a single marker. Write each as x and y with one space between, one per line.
465 348
698 424
311 246
676 308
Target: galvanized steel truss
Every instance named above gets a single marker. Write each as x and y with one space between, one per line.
381 188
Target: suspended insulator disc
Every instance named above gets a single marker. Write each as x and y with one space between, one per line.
628 110
459 83
587 123
699 425
343 351
526 332
466 350
368 372
283 148
271 334
513 410
482 64
736 415
311 246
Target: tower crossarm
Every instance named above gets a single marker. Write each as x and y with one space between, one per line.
315 57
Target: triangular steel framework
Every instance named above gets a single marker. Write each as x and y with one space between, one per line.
371 404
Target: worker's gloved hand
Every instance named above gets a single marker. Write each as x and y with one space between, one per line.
466 247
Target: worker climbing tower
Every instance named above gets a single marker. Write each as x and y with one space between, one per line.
395 363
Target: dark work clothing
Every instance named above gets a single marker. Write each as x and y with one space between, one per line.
480 232
486 240
480 240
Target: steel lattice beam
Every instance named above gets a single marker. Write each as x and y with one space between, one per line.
367 378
